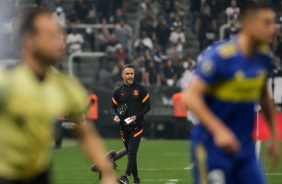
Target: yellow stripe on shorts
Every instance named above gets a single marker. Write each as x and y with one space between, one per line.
201 157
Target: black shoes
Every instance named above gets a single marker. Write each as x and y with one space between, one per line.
123 179
136 181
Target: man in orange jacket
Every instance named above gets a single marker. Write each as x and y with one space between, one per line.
180 114
92 102
91 115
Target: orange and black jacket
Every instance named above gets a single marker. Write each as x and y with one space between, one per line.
136 98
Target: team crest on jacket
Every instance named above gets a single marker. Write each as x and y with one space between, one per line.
135 92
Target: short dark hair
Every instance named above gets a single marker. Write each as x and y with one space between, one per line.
252 5
127 66
27 22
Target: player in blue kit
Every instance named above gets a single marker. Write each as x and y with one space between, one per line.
230 79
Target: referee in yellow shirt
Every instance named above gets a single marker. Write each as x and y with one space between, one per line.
32 95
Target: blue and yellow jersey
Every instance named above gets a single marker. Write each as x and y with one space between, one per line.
235 84
28 109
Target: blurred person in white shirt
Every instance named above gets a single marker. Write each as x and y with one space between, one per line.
74 41
74 44
185 83
177 37
144 40
186 77
233 10
60 16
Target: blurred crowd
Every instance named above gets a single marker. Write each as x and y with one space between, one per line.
8 21
159 53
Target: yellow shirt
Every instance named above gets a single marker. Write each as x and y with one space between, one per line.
28 108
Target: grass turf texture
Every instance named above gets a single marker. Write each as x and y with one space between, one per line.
159 162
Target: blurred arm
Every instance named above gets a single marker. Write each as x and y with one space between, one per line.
223 137
114 104
196 104
93 146
267 108
273 150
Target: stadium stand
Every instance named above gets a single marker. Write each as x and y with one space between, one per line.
145 33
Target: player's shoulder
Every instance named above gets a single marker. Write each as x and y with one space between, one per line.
15 70
140 87
18 74
118 88
227 49
210 51
220 51
61 76
65 81
214 57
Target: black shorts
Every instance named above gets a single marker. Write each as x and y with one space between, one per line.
42 178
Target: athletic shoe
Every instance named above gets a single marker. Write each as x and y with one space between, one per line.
123 179
136 181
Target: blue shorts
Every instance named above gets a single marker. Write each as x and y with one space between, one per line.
214 166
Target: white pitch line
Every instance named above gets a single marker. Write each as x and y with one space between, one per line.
167 169
172 181
273 174
166 180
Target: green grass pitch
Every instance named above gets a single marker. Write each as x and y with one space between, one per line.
159 162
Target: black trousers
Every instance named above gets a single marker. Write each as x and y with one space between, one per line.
58 133
182 128
42 178
131 137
